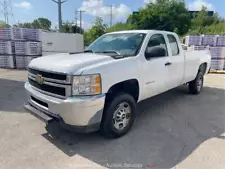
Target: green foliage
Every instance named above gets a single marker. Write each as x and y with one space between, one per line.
40 23
204 24
96 31
169 15
120 27
68 28
3 24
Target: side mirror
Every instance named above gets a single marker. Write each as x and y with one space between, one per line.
152 52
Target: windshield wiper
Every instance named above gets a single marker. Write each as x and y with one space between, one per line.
89 51
112 51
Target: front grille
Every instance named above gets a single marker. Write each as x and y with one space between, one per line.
55 76
47 88
39 102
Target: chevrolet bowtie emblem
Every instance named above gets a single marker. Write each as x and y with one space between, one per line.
39 79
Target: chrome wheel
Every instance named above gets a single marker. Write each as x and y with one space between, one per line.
122 116
199 83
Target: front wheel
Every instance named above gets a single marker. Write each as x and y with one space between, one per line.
119 115
196 85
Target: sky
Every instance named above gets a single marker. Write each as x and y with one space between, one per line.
28 10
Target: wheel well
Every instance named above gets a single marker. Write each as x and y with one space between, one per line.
129 86
202 68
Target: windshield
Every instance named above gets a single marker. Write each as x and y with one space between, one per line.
126 44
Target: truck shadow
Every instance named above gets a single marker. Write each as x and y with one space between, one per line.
12 95
168 129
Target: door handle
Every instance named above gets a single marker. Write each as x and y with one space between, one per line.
168 63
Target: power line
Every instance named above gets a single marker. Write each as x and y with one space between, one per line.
59 3
6 11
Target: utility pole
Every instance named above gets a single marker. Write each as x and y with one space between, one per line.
81 12
59 2
75 21
111 15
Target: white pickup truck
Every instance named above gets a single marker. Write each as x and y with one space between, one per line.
99 89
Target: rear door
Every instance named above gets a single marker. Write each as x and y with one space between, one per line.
175 66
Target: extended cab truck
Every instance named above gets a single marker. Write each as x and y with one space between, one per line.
100 88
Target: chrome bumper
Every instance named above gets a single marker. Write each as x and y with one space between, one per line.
74 111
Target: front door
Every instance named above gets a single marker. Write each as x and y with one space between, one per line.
155 71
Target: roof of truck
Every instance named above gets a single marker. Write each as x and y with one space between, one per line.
141 31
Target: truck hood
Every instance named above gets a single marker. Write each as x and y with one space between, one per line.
68 63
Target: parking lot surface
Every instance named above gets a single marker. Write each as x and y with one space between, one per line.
172 130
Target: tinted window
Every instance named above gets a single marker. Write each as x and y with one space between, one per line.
156 47
173 45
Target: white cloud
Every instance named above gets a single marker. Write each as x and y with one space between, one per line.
198 4
97 8
149 1
24 4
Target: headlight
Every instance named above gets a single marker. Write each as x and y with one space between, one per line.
87 85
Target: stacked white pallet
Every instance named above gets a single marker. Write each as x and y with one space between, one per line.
6 47
23 61
6 61
217 52
32 34
218 58
209 40
198 47
33 48
224 65
221 40
193 40
6 34
20 48
18 33
217 64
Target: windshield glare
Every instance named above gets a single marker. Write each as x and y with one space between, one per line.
125 44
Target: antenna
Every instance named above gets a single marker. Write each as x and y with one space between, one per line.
6 11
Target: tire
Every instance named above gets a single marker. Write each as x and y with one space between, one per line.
195 86
111 113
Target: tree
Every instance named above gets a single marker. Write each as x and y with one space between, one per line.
120 27
3 24
42 23
203 23
169 15
69 28
96 31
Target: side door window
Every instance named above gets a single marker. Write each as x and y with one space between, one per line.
173 45
156 47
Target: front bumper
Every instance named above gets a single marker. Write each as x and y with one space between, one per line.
76 112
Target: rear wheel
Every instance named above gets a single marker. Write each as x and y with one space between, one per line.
195 86
119 115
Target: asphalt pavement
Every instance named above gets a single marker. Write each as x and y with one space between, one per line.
173 130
